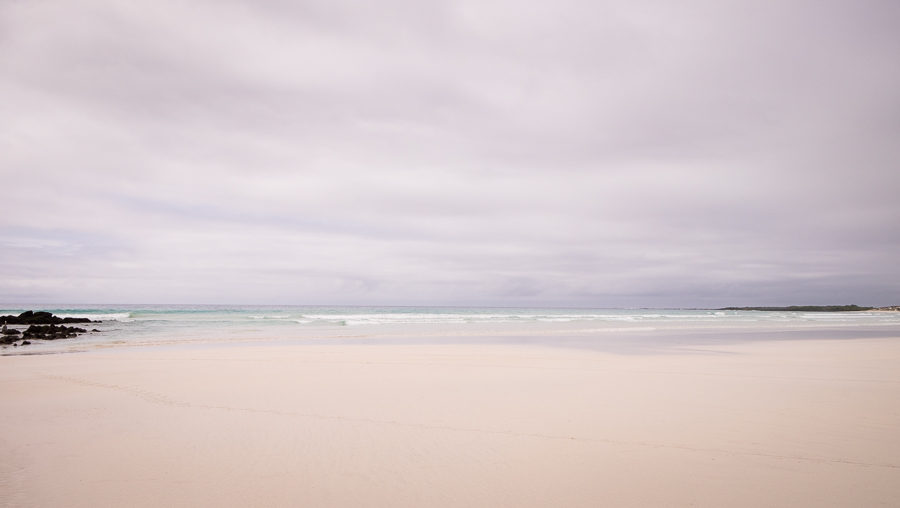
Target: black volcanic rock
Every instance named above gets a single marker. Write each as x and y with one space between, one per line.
42 325
52 332
77 320
41 318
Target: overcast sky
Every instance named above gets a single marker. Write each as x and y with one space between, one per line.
619 153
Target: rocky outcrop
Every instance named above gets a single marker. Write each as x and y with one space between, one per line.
42 325
51 332
41 318
9 337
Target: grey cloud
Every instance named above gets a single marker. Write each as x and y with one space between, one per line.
573 153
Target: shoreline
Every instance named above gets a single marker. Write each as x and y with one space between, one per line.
129 324
574 335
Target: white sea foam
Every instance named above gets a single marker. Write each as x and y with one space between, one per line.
524 316
321 322
124 317
160 323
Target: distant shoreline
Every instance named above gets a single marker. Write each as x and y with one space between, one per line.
817 308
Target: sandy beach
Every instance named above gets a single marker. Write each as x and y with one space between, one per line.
449 254
779 423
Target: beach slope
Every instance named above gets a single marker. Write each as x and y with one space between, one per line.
779 423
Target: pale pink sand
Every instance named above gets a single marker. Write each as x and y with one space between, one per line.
811 423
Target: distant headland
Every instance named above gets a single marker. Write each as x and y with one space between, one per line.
815 308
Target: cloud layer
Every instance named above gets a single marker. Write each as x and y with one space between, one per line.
488 153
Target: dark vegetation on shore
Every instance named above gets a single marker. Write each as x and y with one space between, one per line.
43 325
808 308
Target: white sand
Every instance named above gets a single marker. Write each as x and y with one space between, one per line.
806 423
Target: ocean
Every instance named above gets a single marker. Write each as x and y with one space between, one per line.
618 330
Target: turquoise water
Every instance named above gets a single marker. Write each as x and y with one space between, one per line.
168 324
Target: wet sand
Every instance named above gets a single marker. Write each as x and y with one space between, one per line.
780 423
